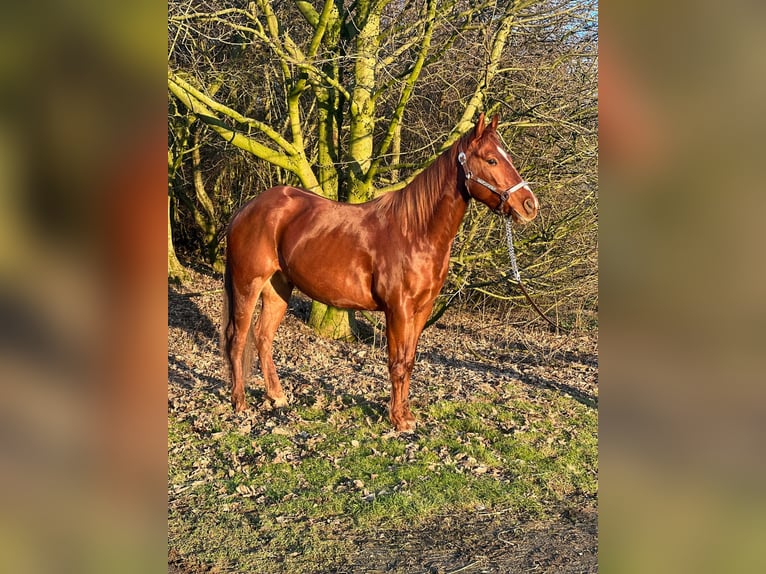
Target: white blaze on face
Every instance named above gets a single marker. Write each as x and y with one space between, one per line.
504 155
507 158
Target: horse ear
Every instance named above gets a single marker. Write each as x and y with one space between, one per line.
493 125
479 131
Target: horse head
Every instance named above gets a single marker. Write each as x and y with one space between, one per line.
491 177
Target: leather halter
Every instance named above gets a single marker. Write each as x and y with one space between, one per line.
503 195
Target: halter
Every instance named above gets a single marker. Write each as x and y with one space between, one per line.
503 195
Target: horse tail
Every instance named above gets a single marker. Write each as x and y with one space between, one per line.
227 317
227 327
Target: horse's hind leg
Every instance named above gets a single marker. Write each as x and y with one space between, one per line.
236 337
275 295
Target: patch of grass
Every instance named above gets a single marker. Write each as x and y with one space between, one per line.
286 501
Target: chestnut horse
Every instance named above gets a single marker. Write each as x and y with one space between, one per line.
389 254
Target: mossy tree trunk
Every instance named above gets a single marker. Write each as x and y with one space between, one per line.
176 271
204 215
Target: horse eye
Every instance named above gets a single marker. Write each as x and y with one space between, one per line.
492 161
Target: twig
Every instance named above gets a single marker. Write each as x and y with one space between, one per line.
466 567
496 512
503 540
373 320
474 352
200 293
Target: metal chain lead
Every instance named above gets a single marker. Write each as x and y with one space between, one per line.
509 236
511 252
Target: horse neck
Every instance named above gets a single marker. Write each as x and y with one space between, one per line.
441 195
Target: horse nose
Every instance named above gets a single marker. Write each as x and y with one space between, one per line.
530 205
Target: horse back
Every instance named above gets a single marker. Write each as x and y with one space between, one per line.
323 247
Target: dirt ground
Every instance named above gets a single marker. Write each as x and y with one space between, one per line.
567 544
450 355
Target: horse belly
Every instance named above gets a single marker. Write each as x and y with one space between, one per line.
336 275
341 288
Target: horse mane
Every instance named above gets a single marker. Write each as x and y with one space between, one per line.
414 206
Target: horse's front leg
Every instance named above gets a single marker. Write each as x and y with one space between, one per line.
400 370
402 332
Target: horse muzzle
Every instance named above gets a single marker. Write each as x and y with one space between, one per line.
527 211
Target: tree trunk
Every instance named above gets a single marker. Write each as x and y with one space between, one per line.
205 217
331 322
362 110
328 321
176 272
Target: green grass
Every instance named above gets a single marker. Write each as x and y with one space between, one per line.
287 501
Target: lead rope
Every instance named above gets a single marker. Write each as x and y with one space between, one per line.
512 251
517 275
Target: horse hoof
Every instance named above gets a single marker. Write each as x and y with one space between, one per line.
240 406
406 425
280 402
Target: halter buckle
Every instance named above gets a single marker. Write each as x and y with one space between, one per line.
462 160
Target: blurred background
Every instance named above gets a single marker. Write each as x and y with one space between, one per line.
83 216
681 279
82 299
